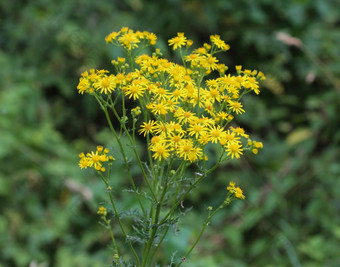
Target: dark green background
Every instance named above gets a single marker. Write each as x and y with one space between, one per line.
291 216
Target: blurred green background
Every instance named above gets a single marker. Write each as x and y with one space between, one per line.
291 216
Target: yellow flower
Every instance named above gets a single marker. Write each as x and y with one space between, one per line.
196 130
175 139
239 131
185 148
236 191
189 43
160 108
235 107
239 193
176 128
216 40
216 133
134 90
229 137
95 159
161 93
178 41
258 144
111 37
83 85
147 127
184 116
156 139
195 154
105 84
84 163
209 62
162 128
204 138
161 151
136 111
187 113
102 211
129 40
234 149
231 187
151 37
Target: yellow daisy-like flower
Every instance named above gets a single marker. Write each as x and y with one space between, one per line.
196 130
184 116
175 139
235 106
234 149
216 40
83 86
160 108
147 127
134 90
204 138
178 41
151 37
161 151
195 154
216 133
105 84
209 62
176 128
84 163
111 37
239 131
129 40
185 149
95 159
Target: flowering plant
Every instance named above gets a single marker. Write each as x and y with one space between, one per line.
183 115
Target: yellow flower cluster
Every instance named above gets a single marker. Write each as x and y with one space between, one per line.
129 39
102 211
184 111
235 191
95 159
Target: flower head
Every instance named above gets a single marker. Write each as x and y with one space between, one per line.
235 191
178 41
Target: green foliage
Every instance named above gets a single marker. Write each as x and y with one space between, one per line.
291 217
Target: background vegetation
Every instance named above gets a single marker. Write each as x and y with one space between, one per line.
48 206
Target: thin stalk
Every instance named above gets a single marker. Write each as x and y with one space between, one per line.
113 239
136 154
201 233
188 191
155 226
156 248
124 158
118 219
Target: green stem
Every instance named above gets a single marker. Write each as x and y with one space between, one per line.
124 158
136 153
201 233
155 225
156 248
170 212
118 219
113 239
